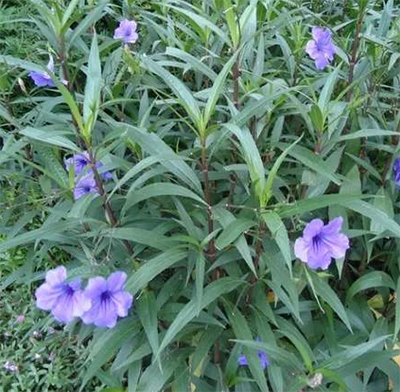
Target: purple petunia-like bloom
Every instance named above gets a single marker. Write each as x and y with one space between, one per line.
84 186
263 357
320 243
65 300
321 48
109 300
43 79
126 31
81 161
396 172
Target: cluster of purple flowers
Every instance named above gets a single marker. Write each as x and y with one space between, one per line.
85 182
126 32
100 303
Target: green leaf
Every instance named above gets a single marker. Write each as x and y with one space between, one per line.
93 87
184 95
160 189
311 160
274 172
212 292
351 354
49 137
232 232
107 345
280 235
369 281
329 296
232 24
216 90
317 118
154 267
252 157
147 312
157 148
374 213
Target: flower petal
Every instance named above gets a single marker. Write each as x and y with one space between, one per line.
106 315
312 229
56 276
333 227
116 281
301 248
319 256
47 296
122 301
95 287
338 245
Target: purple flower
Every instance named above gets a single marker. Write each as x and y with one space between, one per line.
320 243
109 300
64 300
84 186
396 172
80 161
126 31
263 357
20 319
43 79
10 366
321 49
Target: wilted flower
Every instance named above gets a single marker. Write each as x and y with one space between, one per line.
64 300
109 300
84 186
37 356
320 243
396 172
20 319
126 31
80 161
42 79
321 49
263 357
10 366
36 334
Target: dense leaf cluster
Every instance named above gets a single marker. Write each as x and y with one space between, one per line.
224 141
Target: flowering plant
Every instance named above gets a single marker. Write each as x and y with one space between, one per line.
210 192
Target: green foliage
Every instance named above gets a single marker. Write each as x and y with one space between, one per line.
224 141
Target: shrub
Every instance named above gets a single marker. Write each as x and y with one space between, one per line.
202 151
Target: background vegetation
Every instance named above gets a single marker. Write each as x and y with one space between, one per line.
224 141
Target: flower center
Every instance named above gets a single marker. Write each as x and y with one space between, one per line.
68 290
128 32
105 296
316 242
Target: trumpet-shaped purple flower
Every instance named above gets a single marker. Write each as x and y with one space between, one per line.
321 48
84 186
262 355
320 243
396 172
81 161
65 300
109 300
43 79
126 31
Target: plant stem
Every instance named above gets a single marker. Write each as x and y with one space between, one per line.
106 204
236 76
354 51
